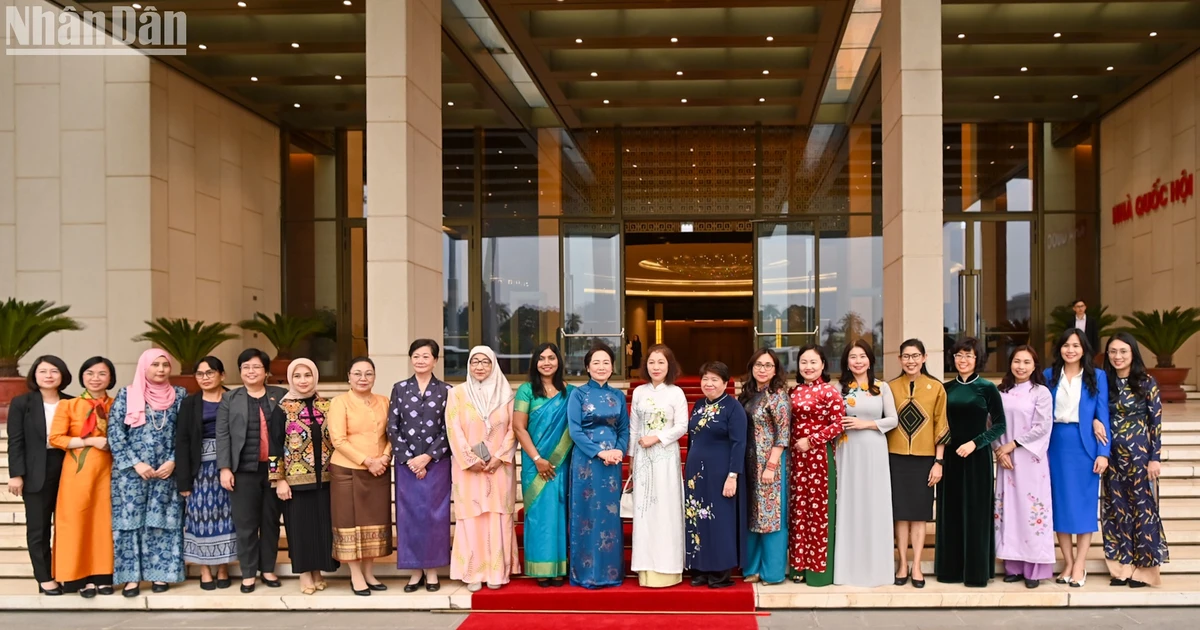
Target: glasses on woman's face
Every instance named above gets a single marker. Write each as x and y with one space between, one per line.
764 366
480 362
1119 352
359 375
252 367
965 356
207 375
911 357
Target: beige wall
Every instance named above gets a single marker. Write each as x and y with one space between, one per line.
129 192
1150 262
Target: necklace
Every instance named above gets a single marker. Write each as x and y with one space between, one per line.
158 425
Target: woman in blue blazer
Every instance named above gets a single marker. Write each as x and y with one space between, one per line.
1079 449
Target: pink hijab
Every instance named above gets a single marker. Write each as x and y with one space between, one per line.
141 392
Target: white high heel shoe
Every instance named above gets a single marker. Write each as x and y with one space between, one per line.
1080 583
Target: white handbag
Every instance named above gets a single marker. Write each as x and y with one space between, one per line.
627 498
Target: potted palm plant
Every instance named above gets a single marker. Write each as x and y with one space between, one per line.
1164 334
286 333
22 326
188 342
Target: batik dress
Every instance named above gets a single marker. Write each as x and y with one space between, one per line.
769 420
716 524
817 412
147 513
545 502
599 421
417 426
1134 543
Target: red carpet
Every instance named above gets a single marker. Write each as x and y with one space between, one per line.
553 621
525 594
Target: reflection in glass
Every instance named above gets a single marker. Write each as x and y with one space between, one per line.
591 292
456 341
312 287
852 289
520 288
786 283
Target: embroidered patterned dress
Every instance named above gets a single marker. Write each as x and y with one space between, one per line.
296 426
417 426
657 484
1024 512
1134 544
769 420
716 524
208 534
598 421
147 513
817 411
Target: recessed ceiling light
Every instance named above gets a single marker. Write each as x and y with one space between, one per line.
1012 146
962 35
947 147
996 97
500 151
337 77
578 40
1110 68
595 74
1153 33
683 100
606 101
242 4
295 45
766 72
203 47
674 40
346 2
770 39
679 73
1058 34
993 161
762 100
1074 96
136 5
1024 69
296 105
450 103
254 78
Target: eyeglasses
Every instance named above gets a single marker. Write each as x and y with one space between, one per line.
208 374
252 368
1122 352
963 356
911 357
357 375
480 362
764 366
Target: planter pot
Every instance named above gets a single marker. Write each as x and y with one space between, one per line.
186 381
1170 381
10 388
279 366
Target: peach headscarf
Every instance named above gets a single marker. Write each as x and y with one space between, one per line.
142 393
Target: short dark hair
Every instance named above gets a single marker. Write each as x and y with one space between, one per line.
599 346
31 378
362 359
215 364
672 363
535 377
1077 301
972 344
824 362
93 362
417 344
777 383
717 368
254 353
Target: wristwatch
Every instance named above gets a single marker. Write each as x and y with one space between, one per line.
537 458
939 462
733 475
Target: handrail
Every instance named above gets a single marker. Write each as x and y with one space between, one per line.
565 335
784 332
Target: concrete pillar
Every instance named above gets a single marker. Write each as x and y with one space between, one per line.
404 181
912 178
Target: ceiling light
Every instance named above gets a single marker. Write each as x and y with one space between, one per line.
203 47
254 78
762 100
338 77
996 97
1024 69
606 101
962 35
770 39
346 2
450 103
1058 34
1153 33
766 72
1012 146
295 45
595 74
679 73
683 100
1110 68
1074 96
578 40
242 4
674 40
296 105
136 5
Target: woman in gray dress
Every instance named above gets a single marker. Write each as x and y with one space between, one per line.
863 548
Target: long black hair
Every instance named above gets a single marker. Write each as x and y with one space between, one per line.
535 377
847 378
1139 380
824 363
778 383
1089 370
919 345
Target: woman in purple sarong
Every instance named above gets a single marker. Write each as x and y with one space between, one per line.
417 429
1024 515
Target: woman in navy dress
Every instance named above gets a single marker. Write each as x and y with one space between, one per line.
1134 545
714 504
598 420
1079 449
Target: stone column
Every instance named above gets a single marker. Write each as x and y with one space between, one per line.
911 33
404 181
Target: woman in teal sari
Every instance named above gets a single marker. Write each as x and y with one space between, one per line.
540 422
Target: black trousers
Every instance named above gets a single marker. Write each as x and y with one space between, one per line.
256 512
39 516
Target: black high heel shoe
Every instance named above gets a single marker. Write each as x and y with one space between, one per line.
378 586
918 583
411 587
52 592
366 592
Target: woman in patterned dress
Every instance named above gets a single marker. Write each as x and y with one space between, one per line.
817 411
714 505
1135 547
769 417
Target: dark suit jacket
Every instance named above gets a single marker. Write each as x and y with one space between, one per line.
27 439
232 421
1092 332
189 436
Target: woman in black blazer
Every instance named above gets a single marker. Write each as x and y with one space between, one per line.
34 468
208 536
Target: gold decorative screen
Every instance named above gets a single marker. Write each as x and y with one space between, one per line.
589 174
688 171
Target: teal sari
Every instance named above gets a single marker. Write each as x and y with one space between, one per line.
545 501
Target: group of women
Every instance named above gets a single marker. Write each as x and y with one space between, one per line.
805 482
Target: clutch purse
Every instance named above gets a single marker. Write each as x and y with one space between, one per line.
627 498
481 451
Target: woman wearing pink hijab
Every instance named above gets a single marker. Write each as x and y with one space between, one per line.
147 510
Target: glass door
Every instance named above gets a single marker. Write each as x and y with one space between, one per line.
456 299
786 285
987 287
591 293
